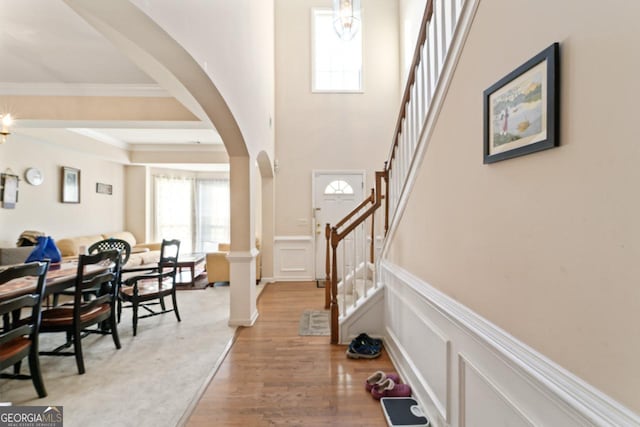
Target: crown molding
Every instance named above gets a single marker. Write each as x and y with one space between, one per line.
83 89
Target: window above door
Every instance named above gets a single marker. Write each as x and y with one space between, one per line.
336 63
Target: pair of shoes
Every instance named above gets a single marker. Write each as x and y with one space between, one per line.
378 377
364 338
362 350
389 388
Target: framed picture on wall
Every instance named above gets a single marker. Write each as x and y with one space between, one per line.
521 110
70 189
102 188
9 188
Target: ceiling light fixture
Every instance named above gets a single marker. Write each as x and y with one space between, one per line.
7 121
346 18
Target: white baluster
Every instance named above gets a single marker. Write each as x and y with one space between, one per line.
420 91
364 258
450 15
414 120
426 77
458 8
405 143
354 245
433 56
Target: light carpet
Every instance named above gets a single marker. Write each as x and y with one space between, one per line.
314 322
151 381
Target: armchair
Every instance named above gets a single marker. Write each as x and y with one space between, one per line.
218 265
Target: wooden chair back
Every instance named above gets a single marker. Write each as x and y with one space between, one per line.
19 335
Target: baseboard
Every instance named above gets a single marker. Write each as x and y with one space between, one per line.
244 322
463 367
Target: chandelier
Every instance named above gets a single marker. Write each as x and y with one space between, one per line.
346 18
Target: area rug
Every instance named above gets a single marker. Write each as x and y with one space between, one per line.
151 381
202 281
314 322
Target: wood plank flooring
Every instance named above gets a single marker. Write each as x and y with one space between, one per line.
272 376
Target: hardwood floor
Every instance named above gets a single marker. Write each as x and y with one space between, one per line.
272 376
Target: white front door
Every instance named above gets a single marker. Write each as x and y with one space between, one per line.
335 194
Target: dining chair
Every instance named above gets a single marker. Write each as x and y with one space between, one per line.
76 318
100 246
149 289
19 335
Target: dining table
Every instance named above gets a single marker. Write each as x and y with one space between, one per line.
60 276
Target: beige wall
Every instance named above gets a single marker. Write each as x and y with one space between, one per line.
546 246
330 131
137 206
233 43
39 208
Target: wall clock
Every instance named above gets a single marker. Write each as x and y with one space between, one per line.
34 176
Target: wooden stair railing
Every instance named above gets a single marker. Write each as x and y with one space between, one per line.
424 87
336 236
327 233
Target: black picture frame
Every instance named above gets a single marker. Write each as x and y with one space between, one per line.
70 185
102 188
521 110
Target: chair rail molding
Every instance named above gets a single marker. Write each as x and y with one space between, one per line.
489 373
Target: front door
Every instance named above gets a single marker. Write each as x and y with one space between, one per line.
336 193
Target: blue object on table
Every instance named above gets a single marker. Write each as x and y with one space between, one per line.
45 249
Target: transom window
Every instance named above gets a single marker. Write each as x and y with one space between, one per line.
338 187
336 63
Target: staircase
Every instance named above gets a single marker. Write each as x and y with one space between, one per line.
356 243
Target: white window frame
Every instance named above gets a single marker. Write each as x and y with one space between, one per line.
313 54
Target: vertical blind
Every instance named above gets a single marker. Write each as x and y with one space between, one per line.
195 211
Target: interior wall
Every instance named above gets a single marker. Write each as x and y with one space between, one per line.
545 245
233 42
137 206
330 131
39 207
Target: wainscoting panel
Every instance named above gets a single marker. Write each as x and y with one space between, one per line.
293 258
467 372
482 403
428 342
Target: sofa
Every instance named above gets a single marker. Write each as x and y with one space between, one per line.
141 254
71 247
10 256
218 265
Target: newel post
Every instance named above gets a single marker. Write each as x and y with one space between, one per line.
334 286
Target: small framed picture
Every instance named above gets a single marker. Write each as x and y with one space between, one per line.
70 189
9 184
102 188
521 110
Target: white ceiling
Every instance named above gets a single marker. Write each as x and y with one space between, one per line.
45 46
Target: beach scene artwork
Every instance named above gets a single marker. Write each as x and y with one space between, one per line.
518 112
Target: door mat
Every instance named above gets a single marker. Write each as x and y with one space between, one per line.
314 322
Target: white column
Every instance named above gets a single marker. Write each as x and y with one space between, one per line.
242 257
268 227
